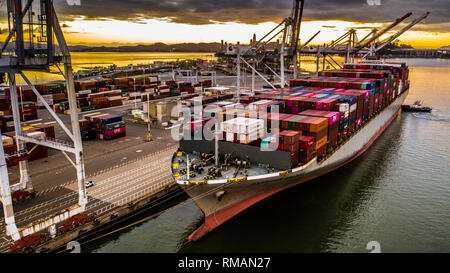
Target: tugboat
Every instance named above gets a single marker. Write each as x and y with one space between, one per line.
416 107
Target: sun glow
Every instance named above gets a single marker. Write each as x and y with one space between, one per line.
117 32
111 32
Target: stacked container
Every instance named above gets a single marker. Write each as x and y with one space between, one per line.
243 130
317 112
333 123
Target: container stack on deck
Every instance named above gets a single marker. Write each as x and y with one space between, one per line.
243 130
316 114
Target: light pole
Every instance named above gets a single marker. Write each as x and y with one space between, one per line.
149 135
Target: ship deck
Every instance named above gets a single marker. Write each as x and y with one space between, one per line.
179 169
254 172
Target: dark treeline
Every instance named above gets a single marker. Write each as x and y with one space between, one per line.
157 47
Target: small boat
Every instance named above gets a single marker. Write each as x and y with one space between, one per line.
416 107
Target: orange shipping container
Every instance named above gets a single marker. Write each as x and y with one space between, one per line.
318 125
321 142
87 84
99 99
59 96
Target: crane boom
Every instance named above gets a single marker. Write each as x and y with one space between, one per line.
310 39
396 22
396 35
368 35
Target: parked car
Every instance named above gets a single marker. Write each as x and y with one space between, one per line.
88 184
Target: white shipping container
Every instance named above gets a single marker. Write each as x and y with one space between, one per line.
134 94
115 98
229 137
47 98
233 105
255 105
223 103
229 126
353 108
84 92
247 138
344 107
37 135
246 128
6 140
242 125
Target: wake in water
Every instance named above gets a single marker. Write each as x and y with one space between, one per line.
433 115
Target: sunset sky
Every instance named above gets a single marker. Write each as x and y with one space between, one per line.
117 22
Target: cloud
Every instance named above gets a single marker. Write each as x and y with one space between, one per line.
198 12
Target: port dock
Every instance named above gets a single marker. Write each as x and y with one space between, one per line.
128 173
116 189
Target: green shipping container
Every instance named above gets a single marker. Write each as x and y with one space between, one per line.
292 122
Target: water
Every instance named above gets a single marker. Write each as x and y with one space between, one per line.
397 194
86 60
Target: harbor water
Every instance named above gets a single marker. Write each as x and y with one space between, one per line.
397 194
89 60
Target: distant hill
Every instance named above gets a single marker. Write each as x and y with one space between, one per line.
157 47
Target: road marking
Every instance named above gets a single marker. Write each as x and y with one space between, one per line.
119 189
129 176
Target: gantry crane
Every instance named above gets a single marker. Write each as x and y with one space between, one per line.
258 50
30 46
377 47
348 45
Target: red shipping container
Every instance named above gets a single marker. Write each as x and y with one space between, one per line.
290 147
294 159
306 142
306 154
321 150
289 137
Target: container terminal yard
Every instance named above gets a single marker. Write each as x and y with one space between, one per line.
112 165
79 155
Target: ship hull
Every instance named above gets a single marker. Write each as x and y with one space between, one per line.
240 195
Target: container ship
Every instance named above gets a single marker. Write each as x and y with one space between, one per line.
277 139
